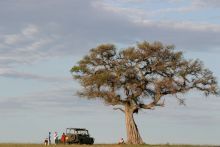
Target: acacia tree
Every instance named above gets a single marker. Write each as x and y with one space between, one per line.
139 77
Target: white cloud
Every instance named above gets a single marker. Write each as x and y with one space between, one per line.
33 46
25 75
25 34
12 39
50 101
185 34
133 13
182 25
185 9
142 16
30 30
27 46
75 36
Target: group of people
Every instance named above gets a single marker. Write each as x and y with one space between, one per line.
47 141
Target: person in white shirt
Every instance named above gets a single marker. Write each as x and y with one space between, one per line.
55 136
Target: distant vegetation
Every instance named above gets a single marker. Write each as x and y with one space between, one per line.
100 145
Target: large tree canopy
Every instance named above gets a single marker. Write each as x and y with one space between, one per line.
138 77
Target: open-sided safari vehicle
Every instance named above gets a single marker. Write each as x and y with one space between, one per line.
79 136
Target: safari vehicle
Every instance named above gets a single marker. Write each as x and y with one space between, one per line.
78 136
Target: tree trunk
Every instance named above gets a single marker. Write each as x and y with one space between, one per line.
133 135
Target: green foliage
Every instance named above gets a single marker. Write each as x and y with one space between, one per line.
76 69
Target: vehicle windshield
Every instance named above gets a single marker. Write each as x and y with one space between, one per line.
73 131
84 132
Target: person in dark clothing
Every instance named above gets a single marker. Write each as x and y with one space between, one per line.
46 141
49 138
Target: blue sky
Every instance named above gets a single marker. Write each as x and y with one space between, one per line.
41 41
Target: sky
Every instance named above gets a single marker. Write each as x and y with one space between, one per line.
41 40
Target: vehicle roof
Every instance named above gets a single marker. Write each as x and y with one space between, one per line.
77 129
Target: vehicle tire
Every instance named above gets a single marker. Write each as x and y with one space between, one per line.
80 141
73 138
91 141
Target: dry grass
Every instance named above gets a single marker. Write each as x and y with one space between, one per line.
100 145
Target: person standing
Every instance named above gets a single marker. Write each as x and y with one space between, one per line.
49 138
55 136
63 138
121 141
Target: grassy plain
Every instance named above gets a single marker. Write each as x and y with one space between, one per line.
101 145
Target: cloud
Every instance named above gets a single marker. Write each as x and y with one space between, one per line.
30 30
185 34
140 15
23 36
51 102
190 6
12 105
28 45
64 33
8 73
11 39
106 22
143 9
205 3
183 25
13 44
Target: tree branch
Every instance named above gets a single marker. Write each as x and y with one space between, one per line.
152 104
119 109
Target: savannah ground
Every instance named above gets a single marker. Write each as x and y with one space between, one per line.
102 145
